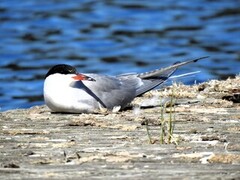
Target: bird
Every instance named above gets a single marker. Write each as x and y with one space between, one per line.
68 91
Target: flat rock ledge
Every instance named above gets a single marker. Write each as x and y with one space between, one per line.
205 140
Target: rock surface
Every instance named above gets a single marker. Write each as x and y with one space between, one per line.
205 143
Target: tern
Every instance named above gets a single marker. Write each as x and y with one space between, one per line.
68 91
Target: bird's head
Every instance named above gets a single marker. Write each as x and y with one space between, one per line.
68 70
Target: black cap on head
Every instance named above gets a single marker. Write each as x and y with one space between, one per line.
61 69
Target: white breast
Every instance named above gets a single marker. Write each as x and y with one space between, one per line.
61 96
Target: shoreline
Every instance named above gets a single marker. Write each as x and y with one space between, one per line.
36 143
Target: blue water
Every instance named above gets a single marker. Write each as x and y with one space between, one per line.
112 37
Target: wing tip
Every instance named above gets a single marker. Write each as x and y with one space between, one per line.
204 57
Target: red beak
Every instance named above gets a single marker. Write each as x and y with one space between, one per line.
81 77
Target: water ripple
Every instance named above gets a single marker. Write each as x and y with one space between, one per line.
112 37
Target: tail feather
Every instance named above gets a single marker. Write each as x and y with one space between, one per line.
150 83
156 77
184 75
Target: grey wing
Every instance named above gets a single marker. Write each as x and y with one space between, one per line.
111 91
146 84
154 78
121 90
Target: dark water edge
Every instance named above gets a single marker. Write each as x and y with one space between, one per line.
112 37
